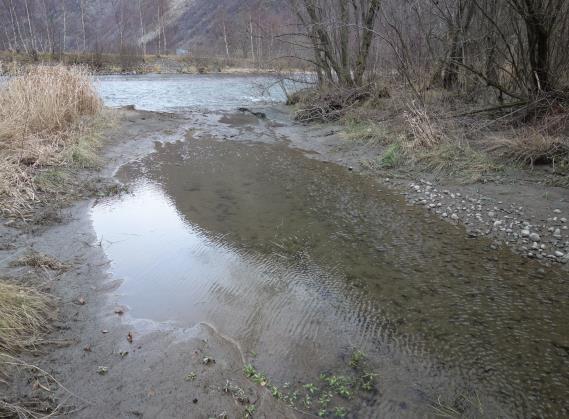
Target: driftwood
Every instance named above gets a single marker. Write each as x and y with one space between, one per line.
261 115
331 105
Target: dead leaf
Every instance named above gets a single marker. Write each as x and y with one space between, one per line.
81 301
87 348
129 337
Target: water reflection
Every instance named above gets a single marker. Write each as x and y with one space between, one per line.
300 261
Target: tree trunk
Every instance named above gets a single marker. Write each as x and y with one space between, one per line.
367 36
141 28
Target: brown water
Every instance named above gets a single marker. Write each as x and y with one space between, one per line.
301 262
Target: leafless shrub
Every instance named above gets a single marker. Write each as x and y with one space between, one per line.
424 132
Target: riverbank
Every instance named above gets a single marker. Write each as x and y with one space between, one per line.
492 174
117 64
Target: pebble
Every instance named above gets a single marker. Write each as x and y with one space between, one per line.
534 237
454 217
525 233
557 211
559 254
557 233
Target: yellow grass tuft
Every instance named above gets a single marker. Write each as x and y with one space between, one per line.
24 316
531 146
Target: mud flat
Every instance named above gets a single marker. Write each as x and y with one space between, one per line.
248 263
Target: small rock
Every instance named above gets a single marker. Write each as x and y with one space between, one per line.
557 233
559 254
557 211
534 237
525 233
454 217
491 214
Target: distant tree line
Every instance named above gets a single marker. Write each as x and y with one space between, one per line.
231 28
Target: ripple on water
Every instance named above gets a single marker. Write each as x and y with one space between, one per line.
301 262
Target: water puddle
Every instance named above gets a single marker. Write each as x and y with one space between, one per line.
303 262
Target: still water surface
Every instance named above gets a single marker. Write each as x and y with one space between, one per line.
302 262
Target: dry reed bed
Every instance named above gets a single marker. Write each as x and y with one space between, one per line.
42 116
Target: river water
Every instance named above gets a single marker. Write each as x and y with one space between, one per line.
304 263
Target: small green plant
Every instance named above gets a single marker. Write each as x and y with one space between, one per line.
255 376
249 370
368 381
392 156
311 388
325 400
357 358
340 412
338 383
191 376
249 411
275 392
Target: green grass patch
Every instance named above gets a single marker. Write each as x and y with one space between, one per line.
392 157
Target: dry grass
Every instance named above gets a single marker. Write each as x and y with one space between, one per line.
457 160
40 260
424 132
24 316
530 146
43 116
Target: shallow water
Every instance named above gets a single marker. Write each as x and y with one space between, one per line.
302 262
179 92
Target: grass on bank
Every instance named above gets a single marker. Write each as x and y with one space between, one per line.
25 314
426 137
48 119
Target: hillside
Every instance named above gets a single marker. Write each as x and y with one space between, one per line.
243 28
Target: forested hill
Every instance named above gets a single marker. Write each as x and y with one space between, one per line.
200 26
